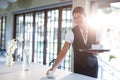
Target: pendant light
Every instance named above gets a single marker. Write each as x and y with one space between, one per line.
3 4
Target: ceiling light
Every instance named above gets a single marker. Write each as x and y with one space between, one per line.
3 4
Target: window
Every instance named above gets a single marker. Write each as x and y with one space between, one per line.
43 33
111 40
2 31
107 21
39 37
66 25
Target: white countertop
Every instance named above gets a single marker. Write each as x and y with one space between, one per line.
36 72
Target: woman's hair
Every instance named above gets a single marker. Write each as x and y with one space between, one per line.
79 9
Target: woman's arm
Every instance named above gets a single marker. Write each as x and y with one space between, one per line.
60 56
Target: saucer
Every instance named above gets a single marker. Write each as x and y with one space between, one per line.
48 78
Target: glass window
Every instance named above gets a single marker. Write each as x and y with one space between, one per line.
52 34
39 37
41 32
66 25
106 21
2 31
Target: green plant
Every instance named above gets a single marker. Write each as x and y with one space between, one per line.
112 57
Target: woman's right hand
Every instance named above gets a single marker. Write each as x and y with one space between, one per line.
60 56
51 69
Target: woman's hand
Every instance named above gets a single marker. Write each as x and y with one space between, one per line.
95 52
51 69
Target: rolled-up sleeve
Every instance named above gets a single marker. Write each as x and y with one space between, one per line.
69 37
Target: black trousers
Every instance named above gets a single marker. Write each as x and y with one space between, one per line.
88 70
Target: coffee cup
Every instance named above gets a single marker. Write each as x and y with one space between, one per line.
96 46
51 74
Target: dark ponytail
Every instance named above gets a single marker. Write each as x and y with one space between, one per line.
79 9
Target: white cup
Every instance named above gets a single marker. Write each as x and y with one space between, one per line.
51 74
96 46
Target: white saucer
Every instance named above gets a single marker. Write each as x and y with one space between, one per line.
48 78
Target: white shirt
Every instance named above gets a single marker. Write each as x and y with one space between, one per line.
69 37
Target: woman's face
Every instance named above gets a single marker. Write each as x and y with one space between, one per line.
78 18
